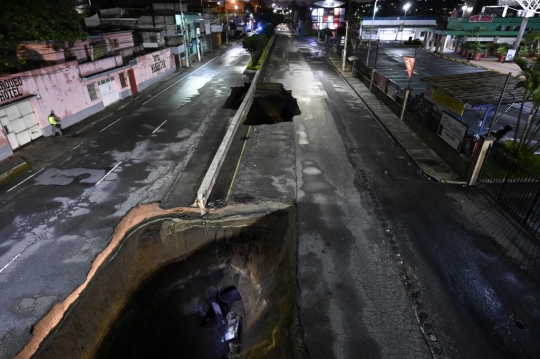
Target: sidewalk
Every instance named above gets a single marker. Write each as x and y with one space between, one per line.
424 157
37 154
486 63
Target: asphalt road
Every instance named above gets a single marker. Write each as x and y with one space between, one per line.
390 264
53 225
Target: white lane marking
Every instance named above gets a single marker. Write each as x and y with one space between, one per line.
11 261
98 182
111 124
27 178
159 93
159 126
76 146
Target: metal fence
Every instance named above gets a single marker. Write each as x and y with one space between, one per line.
422 109
515 188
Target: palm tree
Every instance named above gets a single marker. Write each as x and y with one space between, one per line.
530 73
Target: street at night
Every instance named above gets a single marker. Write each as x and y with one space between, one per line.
388 262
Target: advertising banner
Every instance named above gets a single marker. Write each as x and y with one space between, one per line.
452 131
409 64
381 82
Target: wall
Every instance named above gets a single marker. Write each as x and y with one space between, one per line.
32 95
152 67
114 41
100 65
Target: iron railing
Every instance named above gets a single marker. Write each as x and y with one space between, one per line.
514 187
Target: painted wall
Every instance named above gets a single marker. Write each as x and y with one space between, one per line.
152 65
81 49
93 67
27 98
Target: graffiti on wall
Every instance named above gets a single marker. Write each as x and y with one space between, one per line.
158 64
10 88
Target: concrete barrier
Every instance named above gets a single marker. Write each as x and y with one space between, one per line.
213 171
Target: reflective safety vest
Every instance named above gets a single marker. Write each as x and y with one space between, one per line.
52 120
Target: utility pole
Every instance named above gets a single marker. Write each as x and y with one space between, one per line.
186 47
345 47
371 31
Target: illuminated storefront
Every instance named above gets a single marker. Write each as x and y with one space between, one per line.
322 18
328 15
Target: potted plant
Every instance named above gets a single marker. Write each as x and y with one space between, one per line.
494 48
476 48
501 52
523 51
466 48
488 49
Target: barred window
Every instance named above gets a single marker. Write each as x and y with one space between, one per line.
92 91
122 77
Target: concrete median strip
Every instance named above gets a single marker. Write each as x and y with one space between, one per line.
211 175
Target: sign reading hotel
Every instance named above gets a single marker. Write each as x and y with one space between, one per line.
452 131
10 88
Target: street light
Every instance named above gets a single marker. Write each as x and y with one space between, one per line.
345 47
405 7
371 31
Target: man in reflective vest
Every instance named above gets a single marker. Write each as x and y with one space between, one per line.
56 127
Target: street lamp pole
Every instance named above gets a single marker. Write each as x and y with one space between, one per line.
371 31
345 46
405 7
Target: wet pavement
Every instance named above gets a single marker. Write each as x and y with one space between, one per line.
395 258
362 246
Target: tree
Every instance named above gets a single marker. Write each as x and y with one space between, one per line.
531 84
255 44
355 21
36 20
476 31
532 41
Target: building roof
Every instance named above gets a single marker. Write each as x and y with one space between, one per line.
478 88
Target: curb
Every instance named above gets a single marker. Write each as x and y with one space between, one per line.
424 173
14 172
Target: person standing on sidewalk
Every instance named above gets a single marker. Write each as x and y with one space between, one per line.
469 57
56 127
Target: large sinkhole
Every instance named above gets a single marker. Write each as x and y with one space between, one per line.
182 286
272 104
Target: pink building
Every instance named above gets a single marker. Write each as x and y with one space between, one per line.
94 76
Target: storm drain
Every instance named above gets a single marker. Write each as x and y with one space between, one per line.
272 104
178 285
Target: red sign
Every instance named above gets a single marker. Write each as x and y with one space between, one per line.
409 64
481 18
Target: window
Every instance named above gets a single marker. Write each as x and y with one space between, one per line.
153 38
104 81
115 43
122 77
92 91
